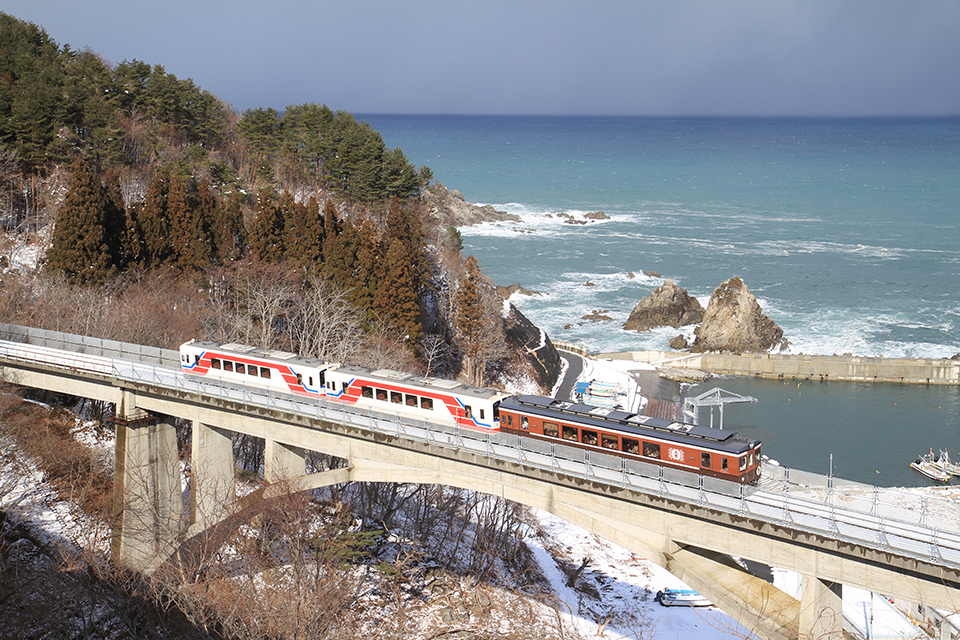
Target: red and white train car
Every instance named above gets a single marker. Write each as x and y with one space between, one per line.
445 402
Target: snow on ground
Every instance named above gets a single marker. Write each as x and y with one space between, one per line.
619 586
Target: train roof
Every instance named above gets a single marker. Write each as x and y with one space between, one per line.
389 376
625 421
245 350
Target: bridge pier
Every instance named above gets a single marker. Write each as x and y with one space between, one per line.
821 608
281 461
212 488
148 499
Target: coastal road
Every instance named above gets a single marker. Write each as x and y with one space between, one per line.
572 374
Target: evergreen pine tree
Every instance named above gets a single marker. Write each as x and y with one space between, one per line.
181 223
266 229
468 322
228 232
154 221
79 248
397 302
368 271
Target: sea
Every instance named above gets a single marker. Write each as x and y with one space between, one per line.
846 230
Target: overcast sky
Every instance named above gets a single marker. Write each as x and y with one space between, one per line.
629 57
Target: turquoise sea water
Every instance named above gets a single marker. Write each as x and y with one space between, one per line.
846 230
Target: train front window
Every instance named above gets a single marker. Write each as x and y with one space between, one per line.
496 411
743 463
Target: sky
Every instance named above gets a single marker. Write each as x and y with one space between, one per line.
558 57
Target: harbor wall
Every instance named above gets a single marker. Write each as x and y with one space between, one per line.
803 367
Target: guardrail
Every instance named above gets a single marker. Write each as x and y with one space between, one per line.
88 345
923 528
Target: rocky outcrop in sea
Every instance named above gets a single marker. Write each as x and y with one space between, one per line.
735 322
668 306
451 208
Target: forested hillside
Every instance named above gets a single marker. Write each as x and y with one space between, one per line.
126 175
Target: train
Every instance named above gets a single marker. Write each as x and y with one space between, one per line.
703 450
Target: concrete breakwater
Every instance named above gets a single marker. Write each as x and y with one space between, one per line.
803 367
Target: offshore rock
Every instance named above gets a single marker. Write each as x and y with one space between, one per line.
679 343
668 306
506 292
450 208
533 342
735 322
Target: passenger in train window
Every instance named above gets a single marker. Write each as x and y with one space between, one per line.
426 403
215 363
651 450
264 372
240 368
631 446
227 365
705 460
525 424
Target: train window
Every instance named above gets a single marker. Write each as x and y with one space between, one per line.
723 463
496 411
215 363
570 433
381 394
631 446
252 370
608 441
588 437
310 381
481 414
196 358
300 379
651 450
743 463
227 365
411 400
751 458
509 420
240 368
264 372
323 378
396 397
426 403
467 411
525 424
705 460
366 392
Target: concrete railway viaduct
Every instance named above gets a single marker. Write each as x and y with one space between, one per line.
688 524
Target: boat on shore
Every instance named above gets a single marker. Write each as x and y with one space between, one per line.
928 466
681 598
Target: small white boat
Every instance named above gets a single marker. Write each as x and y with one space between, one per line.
682 598
944 464
928 467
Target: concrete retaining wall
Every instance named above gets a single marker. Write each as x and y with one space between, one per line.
804 367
